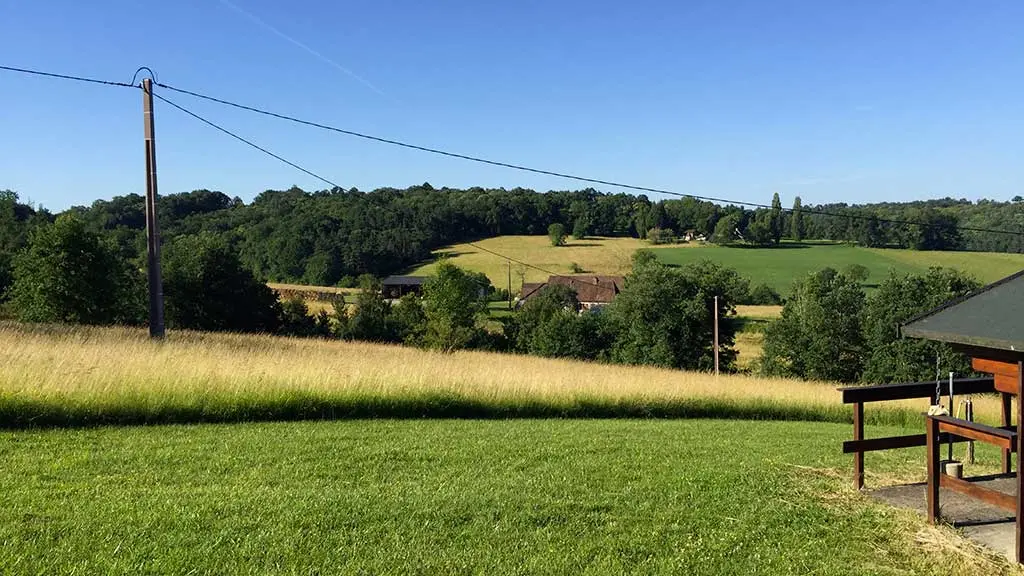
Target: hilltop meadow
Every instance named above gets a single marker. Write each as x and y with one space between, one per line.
776 266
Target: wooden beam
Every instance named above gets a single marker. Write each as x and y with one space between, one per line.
974 431
895 442
933 469
1010 356
1006 384
989 366
994 497
858 435
883 392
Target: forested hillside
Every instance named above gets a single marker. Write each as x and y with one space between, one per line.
321 237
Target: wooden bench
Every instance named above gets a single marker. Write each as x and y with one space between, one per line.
1005 438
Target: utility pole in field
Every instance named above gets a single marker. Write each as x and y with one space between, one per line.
716 335
509 262
156 289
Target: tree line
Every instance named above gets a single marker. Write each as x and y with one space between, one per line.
70 271
831 330
330 237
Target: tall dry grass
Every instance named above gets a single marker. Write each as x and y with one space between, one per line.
57 375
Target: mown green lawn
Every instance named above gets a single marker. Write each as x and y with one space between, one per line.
779 267
449 497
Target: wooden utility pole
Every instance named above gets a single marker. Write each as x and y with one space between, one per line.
716 335
156 289
509 262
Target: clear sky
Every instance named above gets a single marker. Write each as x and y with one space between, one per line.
833 101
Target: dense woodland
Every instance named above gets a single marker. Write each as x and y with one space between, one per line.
324 237
85 266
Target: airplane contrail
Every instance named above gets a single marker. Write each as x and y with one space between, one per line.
264 24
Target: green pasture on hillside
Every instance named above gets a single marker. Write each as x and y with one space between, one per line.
779 267
455 497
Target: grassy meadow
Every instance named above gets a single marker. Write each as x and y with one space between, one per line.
594 255
776 267
779 267
303 456
317 298
55 376
750 337
460 497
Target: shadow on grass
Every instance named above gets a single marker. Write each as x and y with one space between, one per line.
21 413
783 246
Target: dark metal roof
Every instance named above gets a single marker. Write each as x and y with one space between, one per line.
990 317
404 280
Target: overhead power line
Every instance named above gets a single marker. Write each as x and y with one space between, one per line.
321 178
67 77
810 212
563 175
248 142
528 265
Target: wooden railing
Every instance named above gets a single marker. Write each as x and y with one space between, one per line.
1005 438
860 395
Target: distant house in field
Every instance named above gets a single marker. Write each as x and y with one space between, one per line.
592 291
692 235
394 287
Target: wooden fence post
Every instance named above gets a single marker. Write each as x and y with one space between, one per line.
858 434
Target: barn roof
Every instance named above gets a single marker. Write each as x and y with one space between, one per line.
990 317
530 288
589 288
404 280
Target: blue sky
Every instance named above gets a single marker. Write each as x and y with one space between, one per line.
832 101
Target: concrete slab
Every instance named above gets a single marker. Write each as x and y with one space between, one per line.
983 523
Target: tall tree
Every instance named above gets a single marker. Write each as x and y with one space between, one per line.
796 221
523 327
207 288
665 316
776 223
936 230
819 335
899 298
556 234
726 228
370 318
452 303
761 228
68 273
9 240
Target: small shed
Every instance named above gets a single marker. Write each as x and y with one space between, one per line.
394 287
988 326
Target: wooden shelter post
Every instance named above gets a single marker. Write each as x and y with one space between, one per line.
1007 401
933 470
1019 544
